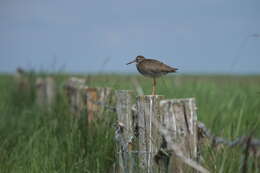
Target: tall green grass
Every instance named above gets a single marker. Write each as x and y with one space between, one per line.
36 140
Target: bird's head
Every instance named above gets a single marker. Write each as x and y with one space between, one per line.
137 60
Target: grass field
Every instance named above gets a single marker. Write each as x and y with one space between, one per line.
33 140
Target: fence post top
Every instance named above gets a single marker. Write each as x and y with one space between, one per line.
177 100
151 96
124 91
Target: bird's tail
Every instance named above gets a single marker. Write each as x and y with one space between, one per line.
174 69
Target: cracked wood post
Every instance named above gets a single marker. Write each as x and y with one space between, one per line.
96 99
125 132
148 108
180 119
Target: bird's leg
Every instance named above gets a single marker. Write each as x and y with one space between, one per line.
154 86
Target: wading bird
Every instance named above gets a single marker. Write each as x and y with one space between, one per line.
152 68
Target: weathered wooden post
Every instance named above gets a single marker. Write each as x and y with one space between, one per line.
45 91
21 80
105 96
91 99
95 100
74 88
50 91
125 132
148 108
40 91
179 118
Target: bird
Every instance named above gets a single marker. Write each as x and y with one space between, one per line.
152 68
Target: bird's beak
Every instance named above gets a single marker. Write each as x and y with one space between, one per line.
131 62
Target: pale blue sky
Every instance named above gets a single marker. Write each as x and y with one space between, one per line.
202 36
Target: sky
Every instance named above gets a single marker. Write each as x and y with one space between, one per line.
86 36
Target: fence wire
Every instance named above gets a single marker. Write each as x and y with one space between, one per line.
216 140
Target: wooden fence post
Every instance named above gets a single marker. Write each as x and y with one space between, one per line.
45 91
104 98
50 90
91 97
96 99
148 108
125 133
180 119
74 88
22 81
40 91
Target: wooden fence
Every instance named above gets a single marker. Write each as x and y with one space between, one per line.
153 134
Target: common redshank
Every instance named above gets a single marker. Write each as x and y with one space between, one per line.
152 68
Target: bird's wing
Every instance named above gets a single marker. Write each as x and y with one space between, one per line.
157 66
